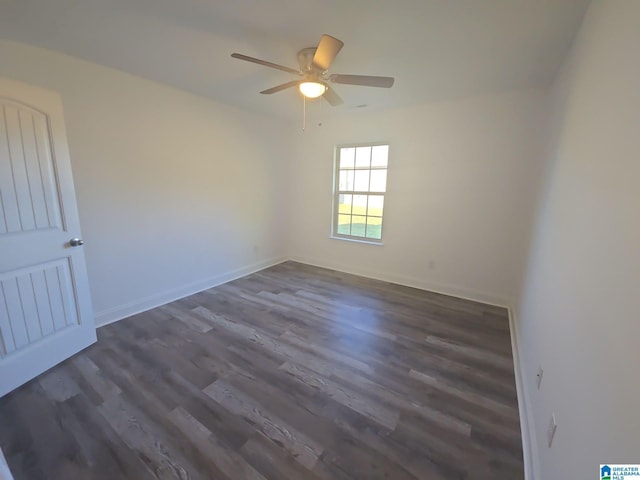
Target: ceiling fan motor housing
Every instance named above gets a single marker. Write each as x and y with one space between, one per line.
305 59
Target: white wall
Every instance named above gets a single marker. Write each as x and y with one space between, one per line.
175 192
579 313
461 187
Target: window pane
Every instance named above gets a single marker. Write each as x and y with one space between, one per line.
346 181
361 187
346 157
376 202
378 181
359 204
363 157
358 225
379 156
344 203
374 228
361 183
344 224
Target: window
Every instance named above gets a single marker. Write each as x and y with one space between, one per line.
360 185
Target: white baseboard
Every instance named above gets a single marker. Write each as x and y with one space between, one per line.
453 291
114 314
529 444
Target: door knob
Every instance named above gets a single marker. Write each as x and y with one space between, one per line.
76 242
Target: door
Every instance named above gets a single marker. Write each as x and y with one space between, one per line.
45 307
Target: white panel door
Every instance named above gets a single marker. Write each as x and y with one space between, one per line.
45 307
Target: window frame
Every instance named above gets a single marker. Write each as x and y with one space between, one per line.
336 193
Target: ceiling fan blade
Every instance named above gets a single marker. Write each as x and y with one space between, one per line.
265 63
284 86
364 80
326 52
332 97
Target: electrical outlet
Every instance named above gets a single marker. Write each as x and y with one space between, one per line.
553 425
539 376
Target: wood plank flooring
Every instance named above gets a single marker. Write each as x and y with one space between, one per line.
291 373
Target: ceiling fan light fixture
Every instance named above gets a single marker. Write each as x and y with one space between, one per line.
311 89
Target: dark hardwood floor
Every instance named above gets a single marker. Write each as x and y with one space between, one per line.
294 373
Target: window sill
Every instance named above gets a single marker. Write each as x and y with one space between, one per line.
355 240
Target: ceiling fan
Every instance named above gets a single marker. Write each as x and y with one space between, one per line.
314 70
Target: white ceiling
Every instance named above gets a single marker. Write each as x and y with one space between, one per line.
436 49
